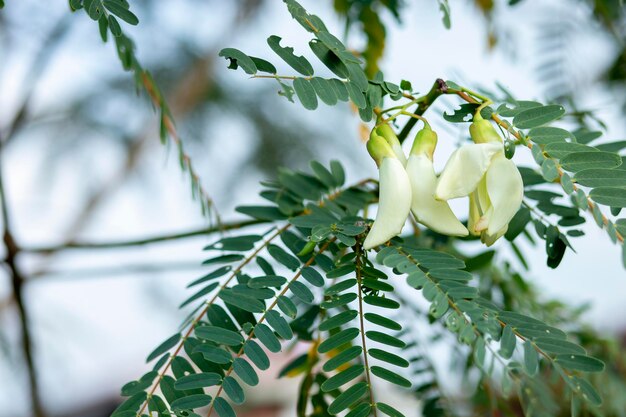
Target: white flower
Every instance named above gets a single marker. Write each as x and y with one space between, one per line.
432 213
493 183
394 202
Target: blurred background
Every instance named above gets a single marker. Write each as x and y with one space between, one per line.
85 178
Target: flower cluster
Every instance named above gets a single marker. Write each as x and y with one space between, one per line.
479 171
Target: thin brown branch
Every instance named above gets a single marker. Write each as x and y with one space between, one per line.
115 244
17 286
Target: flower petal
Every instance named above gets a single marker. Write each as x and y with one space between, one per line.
432 213
394 203
490 239
474 214
464 169
506 191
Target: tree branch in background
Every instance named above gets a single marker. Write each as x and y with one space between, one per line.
138 242
17 282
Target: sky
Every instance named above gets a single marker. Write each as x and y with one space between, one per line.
119 319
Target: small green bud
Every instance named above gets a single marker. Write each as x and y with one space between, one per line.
482 131
379 149
425 142
308 248
509 149
387 133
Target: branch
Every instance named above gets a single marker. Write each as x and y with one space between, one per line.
17 282
138 242
439 87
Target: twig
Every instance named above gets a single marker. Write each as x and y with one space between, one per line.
114 244
17 283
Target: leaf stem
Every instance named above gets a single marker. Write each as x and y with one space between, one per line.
359 280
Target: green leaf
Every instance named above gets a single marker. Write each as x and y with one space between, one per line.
548 134
261 212
239 60
278 253
578 161
306 93
601 177
338 320
609 196
348 397
263 65
558 346
328 58
114 26
340 287
560 149
245 371
212 275
312 276
338 301
224 259
287 306
338 339
245 303
382 321
531 359
356 95
450 274
338 360
549 170
384 338
381 302
337 170
256 354
222 408
164 347
361 410
167 388
301 291
388 357
342 378
267 281
121 12
233 390
219 335
214 354
538 116
444 6
324 90
586 136
279 324
340 89
390 376
507 342
191 402
389 410
204 291
237 243
103 25
201 380
267 337
298 63
580 363
588 391
341 271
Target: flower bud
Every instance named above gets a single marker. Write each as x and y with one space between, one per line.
379 149
482 131
424 143
389 135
